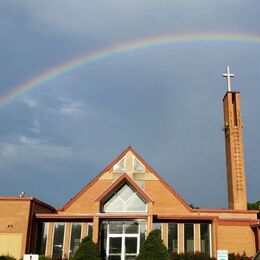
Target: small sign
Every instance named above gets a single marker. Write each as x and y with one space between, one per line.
222 255
31 257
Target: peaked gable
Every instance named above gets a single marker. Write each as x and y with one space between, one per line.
124 195
110 176
124 179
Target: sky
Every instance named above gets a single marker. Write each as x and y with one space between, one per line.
165 100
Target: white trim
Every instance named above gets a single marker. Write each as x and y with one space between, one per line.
178 240
210 240
69 240
64 235
199 237
107 246
123 235
194 240
166 235
128 211
162 232
81 233
120 215
53 227
47 235
183 231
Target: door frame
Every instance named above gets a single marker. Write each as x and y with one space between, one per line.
123 236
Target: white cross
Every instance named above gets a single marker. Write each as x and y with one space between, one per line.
228 75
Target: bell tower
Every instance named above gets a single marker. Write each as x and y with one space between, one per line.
236 182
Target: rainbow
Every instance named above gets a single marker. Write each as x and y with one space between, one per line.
131 46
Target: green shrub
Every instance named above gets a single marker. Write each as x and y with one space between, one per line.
43 257
87 250
191 256
233 256
57 257
153 248
7 257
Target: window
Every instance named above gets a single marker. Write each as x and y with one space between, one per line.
188 238
173 237
142 231
125 200
157 226
120 166
138 166
90 229
75 235
42 238
58 238
205 238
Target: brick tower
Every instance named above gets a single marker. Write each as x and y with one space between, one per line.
236 182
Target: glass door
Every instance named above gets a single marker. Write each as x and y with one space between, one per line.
131 247
122 247
121 239
115 247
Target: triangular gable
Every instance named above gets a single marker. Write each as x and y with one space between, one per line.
160 179
122 179
138 157
89 185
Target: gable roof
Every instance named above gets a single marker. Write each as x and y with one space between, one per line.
117 159
122 179
165 184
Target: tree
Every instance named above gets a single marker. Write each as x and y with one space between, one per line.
87 250
6 257
153 248
193 207
254 205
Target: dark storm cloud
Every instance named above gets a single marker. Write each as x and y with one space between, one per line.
166 102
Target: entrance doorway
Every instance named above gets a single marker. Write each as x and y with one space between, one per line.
121 240
122 247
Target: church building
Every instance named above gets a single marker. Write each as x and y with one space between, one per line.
129 199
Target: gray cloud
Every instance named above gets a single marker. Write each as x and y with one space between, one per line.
26 150
123 19
166 102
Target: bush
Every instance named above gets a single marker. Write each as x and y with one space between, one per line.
153 248
7 257
238 257
43 257
191 256
87 250
57 257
